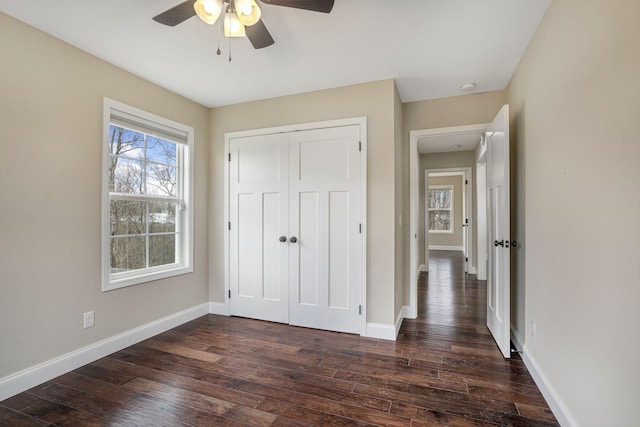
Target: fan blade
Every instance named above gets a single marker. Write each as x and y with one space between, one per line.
312 5
176 14
258 35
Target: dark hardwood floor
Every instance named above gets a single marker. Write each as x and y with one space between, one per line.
444 370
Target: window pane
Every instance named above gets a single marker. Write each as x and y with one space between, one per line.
161 151
440 199
161 180
439 220
127 253
128 217
162 250
162 217
125 142
126 176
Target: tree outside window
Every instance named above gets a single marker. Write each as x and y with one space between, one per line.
440 209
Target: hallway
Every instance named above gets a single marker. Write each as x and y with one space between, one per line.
451 327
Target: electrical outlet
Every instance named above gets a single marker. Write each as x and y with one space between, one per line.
533 328
89 318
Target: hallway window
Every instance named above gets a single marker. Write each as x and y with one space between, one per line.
440 208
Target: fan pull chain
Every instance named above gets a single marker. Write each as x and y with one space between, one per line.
218 52
229 39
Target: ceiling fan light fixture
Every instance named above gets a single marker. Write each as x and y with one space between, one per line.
248 12
232 25
208 10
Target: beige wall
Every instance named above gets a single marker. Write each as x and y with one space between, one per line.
51 98
400 219
454 239
373 100
575 109
454 111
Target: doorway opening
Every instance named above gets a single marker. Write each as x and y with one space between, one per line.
438 140
448 212
494 139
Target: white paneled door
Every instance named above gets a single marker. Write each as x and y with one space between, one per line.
498 210
326 264
295 239
259 215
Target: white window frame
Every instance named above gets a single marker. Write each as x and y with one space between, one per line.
184 214
451 209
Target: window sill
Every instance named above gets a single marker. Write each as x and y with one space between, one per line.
111 284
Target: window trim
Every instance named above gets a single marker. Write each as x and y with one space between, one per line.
451 209
184 252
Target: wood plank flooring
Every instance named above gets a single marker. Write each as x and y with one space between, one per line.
444 370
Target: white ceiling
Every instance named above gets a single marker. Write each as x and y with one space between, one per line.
447 143
430 47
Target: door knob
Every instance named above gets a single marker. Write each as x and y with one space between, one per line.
283 239
293 239
514 243
500 243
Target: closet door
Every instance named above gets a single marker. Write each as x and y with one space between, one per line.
259 221
325 214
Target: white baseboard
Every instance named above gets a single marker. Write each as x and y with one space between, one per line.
403 313
422 268
381 331
410 312
446 248
556 404
388 332
220 308
42 372
473 270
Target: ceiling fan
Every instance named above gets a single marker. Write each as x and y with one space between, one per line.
242 17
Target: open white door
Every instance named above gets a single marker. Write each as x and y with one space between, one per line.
466 224
498 212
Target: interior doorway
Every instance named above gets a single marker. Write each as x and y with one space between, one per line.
440 140
448 212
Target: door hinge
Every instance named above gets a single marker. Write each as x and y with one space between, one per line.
229 293
466 182
359 145
229 225
360 310
229 156
360 228
466 259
